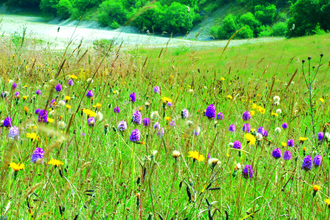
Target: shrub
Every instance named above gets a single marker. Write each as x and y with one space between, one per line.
265 31
280 29
245 33
249 19
110 11
64 8
115 25
151 19
49 6
265 14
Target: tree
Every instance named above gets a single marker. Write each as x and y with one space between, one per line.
49 6
110 11
280 29
249 20
265 14
64 8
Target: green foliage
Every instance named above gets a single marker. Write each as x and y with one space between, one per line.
64 8
280 29
249 20
49 6
265 14
110 11
245 33
265 31
150 19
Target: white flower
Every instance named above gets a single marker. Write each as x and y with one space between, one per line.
99 116
327 136
279 111
154 115
11 82
276 98
231 144
154 152
276 103
214 161
52 112
61 103
189 123
190 91
278 130
259 136
238 166
62 124
90 80
176 154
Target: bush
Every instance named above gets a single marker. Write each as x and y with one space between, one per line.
265 31
115 25
245 33
64 8
49 6
227 29
110 11
280 29
265 14
151 19
249 20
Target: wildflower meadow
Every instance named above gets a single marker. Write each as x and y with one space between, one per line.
120 133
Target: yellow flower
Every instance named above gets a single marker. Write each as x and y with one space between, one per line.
55 162
327 201
140 109
254 106
17 166
229 97
68 106
302 139
316 188
304 148
98 105
252 113
322 100
67 98
25 97
50 120
196 155
32 136
25 86
284 144
166 99
275 114
167 118
26 109
222 78
73 77
88 112
252 129
262 111
228 155
250 138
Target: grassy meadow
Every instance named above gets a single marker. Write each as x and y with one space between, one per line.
209 133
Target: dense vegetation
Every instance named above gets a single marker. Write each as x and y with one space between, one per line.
262 18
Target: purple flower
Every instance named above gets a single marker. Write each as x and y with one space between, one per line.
38 92
89 94
247 128
116 109
137 117
132 97
307 163
265 133
43 116
287 155
196 131
122 126
156 89
13 133
184 113
161 132
83 134
7 122
232 128
16 94
58 87
157 126
38 155
52 102
277 153
247 172
246 116
284 125
146 122
37 111
219 116
317 160
291 143
261 130
320 136
208 156
91 121
169 104
172 123
14 86
210 112
135 136
71 82
237 145
2 95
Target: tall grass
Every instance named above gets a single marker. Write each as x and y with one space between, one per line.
106 176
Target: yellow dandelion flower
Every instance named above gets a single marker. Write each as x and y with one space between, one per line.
17 166
196 155
98 105
167 118
252 129
90 113
263 111
228 155
274 114
140 108
24 97
26 109
50 120
67 98
222 78
327 201
252 113
229 97
302 139
166 99
284 144
321 99
73 77
250 138
55 162
25 86
32 136
316 188
68 106
254 106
